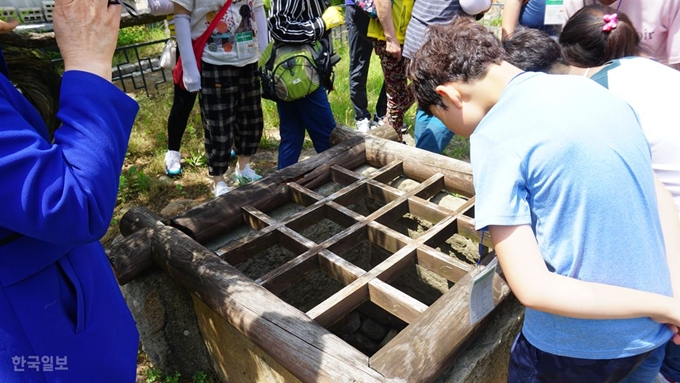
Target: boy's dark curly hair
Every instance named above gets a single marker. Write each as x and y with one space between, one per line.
458 52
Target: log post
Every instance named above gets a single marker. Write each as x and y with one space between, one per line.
138 218
131 256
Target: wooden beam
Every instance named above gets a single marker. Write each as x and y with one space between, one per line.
466 228
337 267
422 351
394 301
352 295
242 249
383 131
289 273
448 267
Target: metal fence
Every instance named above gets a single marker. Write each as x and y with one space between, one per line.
137 71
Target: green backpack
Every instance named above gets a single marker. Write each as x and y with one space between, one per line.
292 71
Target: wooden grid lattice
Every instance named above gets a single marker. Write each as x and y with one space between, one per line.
435 331
360 285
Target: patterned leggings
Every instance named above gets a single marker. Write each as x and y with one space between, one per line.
399 96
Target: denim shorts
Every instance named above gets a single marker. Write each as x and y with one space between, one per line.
531 365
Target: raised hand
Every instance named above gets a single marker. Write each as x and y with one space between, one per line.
86 32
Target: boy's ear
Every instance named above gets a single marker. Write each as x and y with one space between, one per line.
450 95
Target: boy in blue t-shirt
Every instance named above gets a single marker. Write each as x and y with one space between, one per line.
565 187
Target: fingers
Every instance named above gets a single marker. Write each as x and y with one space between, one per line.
7 26
86 32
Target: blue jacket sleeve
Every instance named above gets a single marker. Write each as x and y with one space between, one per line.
64 192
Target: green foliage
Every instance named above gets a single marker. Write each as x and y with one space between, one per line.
172 378
153 375
132 182
140 33
202 377
196 159
459 148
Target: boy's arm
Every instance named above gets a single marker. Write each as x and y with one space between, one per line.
510 16
541 290
670 225
384 10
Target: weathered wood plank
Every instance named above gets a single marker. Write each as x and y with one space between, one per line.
427 210
383 131
242 249
395 302
289 273
387 238
352 295
447 226
450 268
337 267
466 228
422 350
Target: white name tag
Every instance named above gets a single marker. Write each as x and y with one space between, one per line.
481 293
554 12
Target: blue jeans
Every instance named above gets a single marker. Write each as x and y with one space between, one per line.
671 362
648 369
311 113
431 134
528 364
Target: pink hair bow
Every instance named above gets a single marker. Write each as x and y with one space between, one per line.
611 22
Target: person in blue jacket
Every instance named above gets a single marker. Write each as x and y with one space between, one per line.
62 316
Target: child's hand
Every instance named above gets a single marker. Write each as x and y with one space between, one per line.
676 335
7 26
671 318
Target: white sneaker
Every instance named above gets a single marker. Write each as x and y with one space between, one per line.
661 379
221 188
172 163
379 121
364 125
246 175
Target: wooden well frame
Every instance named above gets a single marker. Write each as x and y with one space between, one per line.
301 342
